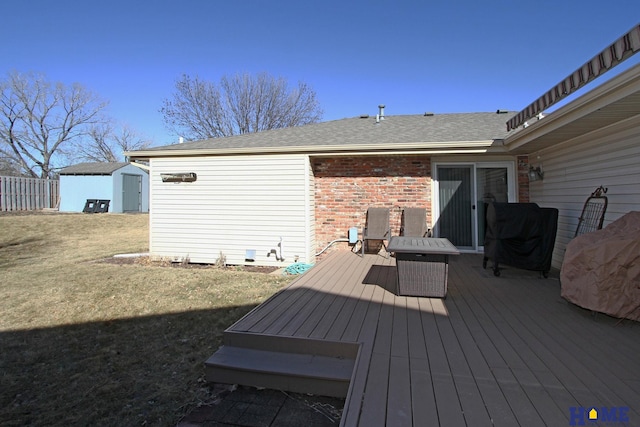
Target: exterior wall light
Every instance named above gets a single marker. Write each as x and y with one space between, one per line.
179 177
535 174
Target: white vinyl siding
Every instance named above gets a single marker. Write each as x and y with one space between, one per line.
573 170
237 203
311 212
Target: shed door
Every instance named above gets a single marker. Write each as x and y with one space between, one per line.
131 193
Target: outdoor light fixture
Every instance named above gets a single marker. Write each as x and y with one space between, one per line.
535 174
179 177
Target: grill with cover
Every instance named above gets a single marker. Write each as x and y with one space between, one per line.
521 235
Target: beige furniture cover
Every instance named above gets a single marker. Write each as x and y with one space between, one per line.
601 270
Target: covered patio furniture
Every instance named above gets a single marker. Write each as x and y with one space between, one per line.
601 270
414 222
521 235
376 226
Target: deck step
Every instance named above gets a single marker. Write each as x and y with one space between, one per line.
297 372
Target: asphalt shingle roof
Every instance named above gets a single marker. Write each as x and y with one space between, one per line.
399 129
92 168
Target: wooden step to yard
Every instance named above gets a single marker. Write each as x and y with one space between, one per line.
284 363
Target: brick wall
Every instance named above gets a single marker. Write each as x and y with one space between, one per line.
346 186
523 179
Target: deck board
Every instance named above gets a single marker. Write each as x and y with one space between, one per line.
399 393
366 333
445 394
374 405
497 351
312 290
521 362
332 311
288 320
350 311
594 372
556 345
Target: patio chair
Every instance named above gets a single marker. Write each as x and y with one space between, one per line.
414 222
377 227
593 212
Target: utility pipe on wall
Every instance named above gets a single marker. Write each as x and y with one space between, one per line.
281 256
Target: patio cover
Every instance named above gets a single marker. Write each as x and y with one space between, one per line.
617 52
601 270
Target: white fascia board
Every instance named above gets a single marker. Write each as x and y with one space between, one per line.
365 149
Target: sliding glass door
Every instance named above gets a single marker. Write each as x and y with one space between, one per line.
492 186
456 219
463 194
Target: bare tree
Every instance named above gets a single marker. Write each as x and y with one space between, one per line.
39 118
107 143
8 167
239 104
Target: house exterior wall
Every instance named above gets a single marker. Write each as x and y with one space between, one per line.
310 202
575 168
345 186
76 189
237 203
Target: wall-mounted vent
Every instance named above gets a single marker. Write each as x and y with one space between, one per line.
179 177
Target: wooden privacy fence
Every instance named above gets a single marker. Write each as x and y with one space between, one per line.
28 194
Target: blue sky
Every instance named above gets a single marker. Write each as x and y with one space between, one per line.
413 56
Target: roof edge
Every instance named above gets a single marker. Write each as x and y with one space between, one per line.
85 173
310 149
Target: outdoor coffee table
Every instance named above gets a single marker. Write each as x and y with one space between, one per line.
423 265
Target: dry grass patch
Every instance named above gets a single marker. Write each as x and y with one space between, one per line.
93 343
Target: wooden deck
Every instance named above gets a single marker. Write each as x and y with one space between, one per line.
497 351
